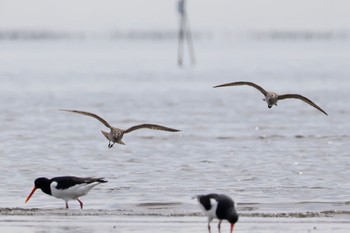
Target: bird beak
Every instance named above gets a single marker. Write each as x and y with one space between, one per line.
232 228
31 194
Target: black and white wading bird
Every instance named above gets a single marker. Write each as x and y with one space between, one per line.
66 187
271 98
116 135
218 206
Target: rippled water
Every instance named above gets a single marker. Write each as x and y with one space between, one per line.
288 159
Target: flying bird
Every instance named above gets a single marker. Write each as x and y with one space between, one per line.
271 98
115 135
218 206
66 187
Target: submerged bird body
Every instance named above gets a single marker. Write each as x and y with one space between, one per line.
272 98
218 206
115 135
66 187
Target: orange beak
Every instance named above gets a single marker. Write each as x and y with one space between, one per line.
31 194
232 227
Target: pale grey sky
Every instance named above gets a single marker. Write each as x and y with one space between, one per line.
106 15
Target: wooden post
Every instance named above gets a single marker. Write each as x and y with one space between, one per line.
181 10
184 31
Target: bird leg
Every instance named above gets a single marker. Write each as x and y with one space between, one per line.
219 226
81 203
67 205
231 228
209 227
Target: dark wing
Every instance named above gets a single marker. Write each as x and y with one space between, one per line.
241 83
65 182
225 203
150 126
224 200
306 100
90 114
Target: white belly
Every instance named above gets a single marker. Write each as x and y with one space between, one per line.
212 212
71 193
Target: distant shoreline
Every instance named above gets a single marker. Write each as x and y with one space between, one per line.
19 34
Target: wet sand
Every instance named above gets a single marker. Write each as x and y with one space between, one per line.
72 221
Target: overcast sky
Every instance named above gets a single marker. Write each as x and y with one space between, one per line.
106 15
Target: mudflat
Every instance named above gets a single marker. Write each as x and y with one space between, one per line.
104 221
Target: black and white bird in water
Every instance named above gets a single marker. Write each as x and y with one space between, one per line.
115 135
271 98
66 187
218 206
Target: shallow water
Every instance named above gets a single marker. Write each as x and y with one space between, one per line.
288 159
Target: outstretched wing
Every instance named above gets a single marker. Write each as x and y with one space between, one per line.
150 126
241 83
91 115
303 98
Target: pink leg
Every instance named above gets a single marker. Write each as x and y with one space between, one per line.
232 228
209 227
81 204
219 226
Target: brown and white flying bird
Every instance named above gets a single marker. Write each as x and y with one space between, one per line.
116 135
271 98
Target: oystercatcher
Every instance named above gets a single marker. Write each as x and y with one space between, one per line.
218 206
116 135
271 98
66 187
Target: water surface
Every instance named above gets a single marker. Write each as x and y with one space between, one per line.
288 159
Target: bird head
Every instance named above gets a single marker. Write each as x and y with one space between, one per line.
41 183
232 218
